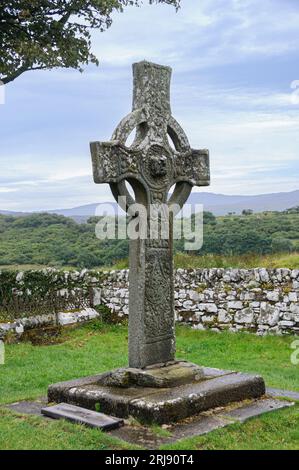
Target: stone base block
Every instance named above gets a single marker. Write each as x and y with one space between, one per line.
159 404
169 374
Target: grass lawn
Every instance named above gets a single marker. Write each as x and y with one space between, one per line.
95 347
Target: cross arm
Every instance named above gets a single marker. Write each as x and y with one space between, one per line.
193 167
112 162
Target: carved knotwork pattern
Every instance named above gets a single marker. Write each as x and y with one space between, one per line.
127 161
192 166
158 305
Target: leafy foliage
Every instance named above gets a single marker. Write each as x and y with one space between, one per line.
54 240
43 34
268 232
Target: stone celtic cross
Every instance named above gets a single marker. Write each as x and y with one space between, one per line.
152 166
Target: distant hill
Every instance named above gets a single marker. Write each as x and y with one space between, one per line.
219 204
14 213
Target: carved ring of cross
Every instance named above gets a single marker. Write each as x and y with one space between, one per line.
138 119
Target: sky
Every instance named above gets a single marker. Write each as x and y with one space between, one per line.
235 91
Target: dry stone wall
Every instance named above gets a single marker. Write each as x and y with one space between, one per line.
258 300
47 297
18 327
37 292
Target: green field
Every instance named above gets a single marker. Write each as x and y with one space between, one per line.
95 347
188 261
249 261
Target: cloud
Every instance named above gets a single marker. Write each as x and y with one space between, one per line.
46 194
202 34
244 98
7 190
233 63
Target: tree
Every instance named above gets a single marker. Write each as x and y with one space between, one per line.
292 210
43 34
247 212
209 218
282 245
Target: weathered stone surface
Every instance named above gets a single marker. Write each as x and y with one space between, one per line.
268 314
151 166
244 316
273 296
160 405
224 317
68 318
29 407
256 409
200 424
97 296
263 275
208 307
293 297
277 392
79 415
235 305
158 376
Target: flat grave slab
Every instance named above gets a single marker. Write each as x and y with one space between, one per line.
277 392
256 408
28 407
79 415
200 424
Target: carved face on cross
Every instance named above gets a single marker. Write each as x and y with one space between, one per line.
151 165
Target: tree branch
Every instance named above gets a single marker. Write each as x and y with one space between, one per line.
24 68
53 33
